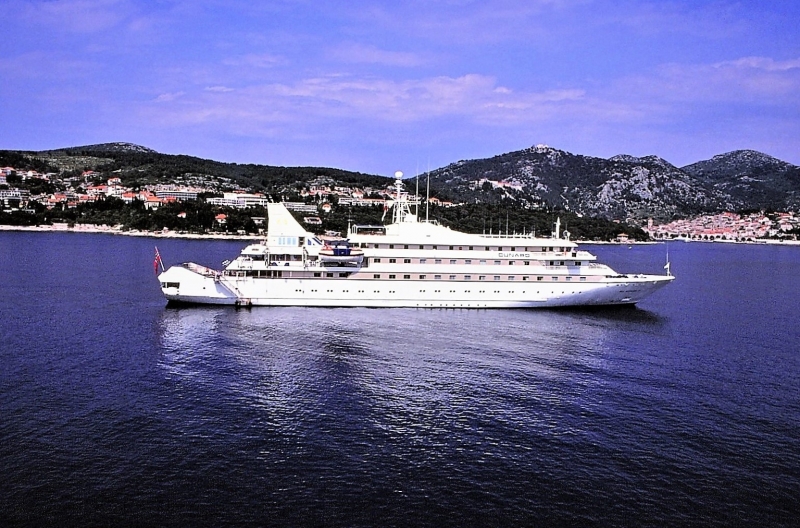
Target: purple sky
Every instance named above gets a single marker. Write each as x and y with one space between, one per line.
379 86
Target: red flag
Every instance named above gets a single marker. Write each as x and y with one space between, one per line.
157 262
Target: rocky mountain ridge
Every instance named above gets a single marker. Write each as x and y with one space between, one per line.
624 186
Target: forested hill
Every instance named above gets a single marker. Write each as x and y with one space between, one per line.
623 187
136 165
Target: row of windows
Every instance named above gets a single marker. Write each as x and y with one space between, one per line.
542 249
391 276
407 276
471 261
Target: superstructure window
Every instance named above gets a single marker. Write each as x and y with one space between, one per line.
437 277
376 260
376 275
452 261
497 277
468 261
511 277
437 261
481 277
452 277
406 276
392 276
467 277
422 277
392 261
391 246
423 261
406 261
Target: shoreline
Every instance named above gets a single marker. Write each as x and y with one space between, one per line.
91 228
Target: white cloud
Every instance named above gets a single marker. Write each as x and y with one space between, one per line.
358 53
168 97
218 89
78 16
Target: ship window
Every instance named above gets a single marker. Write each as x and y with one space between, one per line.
391 246
468 261
552 262
422 277
435 247
461 248
392 276
527 263
510 262
437 261
171 284
317 274
406 276
483 262
467 277
470 248
421 246
481 277
375 246
513 248
583 279
561 263
511 277
376 260
578 263
329 274
437 277
405 246
555 278
524 278
423 261
392 261
569 279
452 261
406 261
451 247
376 275
497 277
452 277
539 278
496 262
344 274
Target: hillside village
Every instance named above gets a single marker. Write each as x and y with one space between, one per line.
317 198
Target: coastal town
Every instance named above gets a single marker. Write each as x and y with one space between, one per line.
317 198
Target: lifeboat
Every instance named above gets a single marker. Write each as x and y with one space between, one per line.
341 252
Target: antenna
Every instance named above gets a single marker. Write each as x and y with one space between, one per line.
416 210
428 192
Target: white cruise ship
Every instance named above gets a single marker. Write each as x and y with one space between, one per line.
407 263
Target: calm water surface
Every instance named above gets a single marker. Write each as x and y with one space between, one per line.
115 410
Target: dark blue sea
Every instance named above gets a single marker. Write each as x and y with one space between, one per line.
116 410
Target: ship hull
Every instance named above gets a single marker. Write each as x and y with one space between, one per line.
199 288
